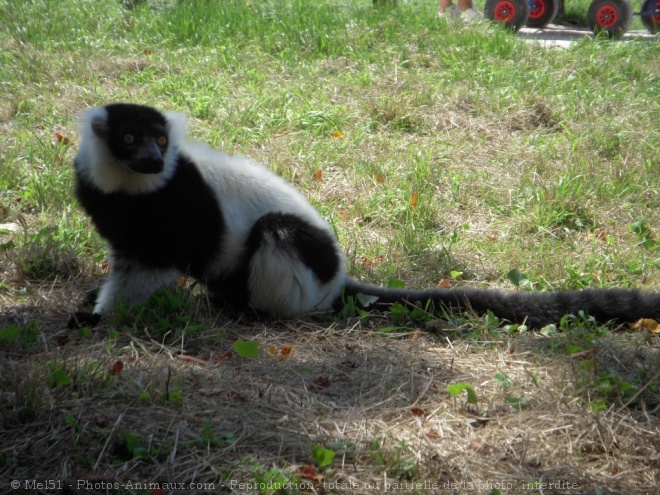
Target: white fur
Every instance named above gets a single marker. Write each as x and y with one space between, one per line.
131 283
283 286
97 165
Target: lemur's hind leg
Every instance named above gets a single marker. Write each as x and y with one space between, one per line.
294 267
128 283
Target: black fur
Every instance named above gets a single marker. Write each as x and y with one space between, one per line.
124 119
293 233
178 226
535 309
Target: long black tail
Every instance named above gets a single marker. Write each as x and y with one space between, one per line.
535 309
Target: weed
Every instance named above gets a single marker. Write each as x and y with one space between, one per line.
131 446
166 313
246 349
23 337
28 398
275 480
322 456
456 389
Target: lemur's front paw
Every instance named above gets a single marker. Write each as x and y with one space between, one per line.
81 319
90 297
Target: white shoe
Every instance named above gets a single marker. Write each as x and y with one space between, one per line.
471 15
452 11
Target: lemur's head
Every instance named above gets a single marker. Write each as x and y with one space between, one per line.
135 135
128 147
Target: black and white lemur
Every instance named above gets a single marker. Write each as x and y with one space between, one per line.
169 206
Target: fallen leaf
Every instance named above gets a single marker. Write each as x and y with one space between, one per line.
307 470
444 283
418 411
103 421
319 175
117 368
646 325
279 353
320 383
373 262
337 134
601 235
379 178
223 357
309 473
414 199
62 139
598 234
432 435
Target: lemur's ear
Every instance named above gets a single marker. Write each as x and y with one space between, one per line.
100 126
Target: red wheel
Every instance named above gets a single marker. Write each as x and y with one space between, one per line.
504 11
537 10
651 15
607 16
512 13
542 12
612 17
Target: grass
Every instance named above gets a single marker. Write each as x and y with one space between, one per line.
438 152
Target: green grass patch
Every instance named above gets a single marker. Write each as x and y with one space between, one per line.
441 153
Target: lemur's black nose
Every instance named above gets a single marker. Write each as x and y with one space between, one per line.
149 160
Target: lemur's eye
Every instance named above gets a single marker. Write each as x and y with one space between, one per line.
162 141
129 139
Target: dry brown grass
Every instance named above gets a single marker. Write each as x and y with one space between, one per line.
377 398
